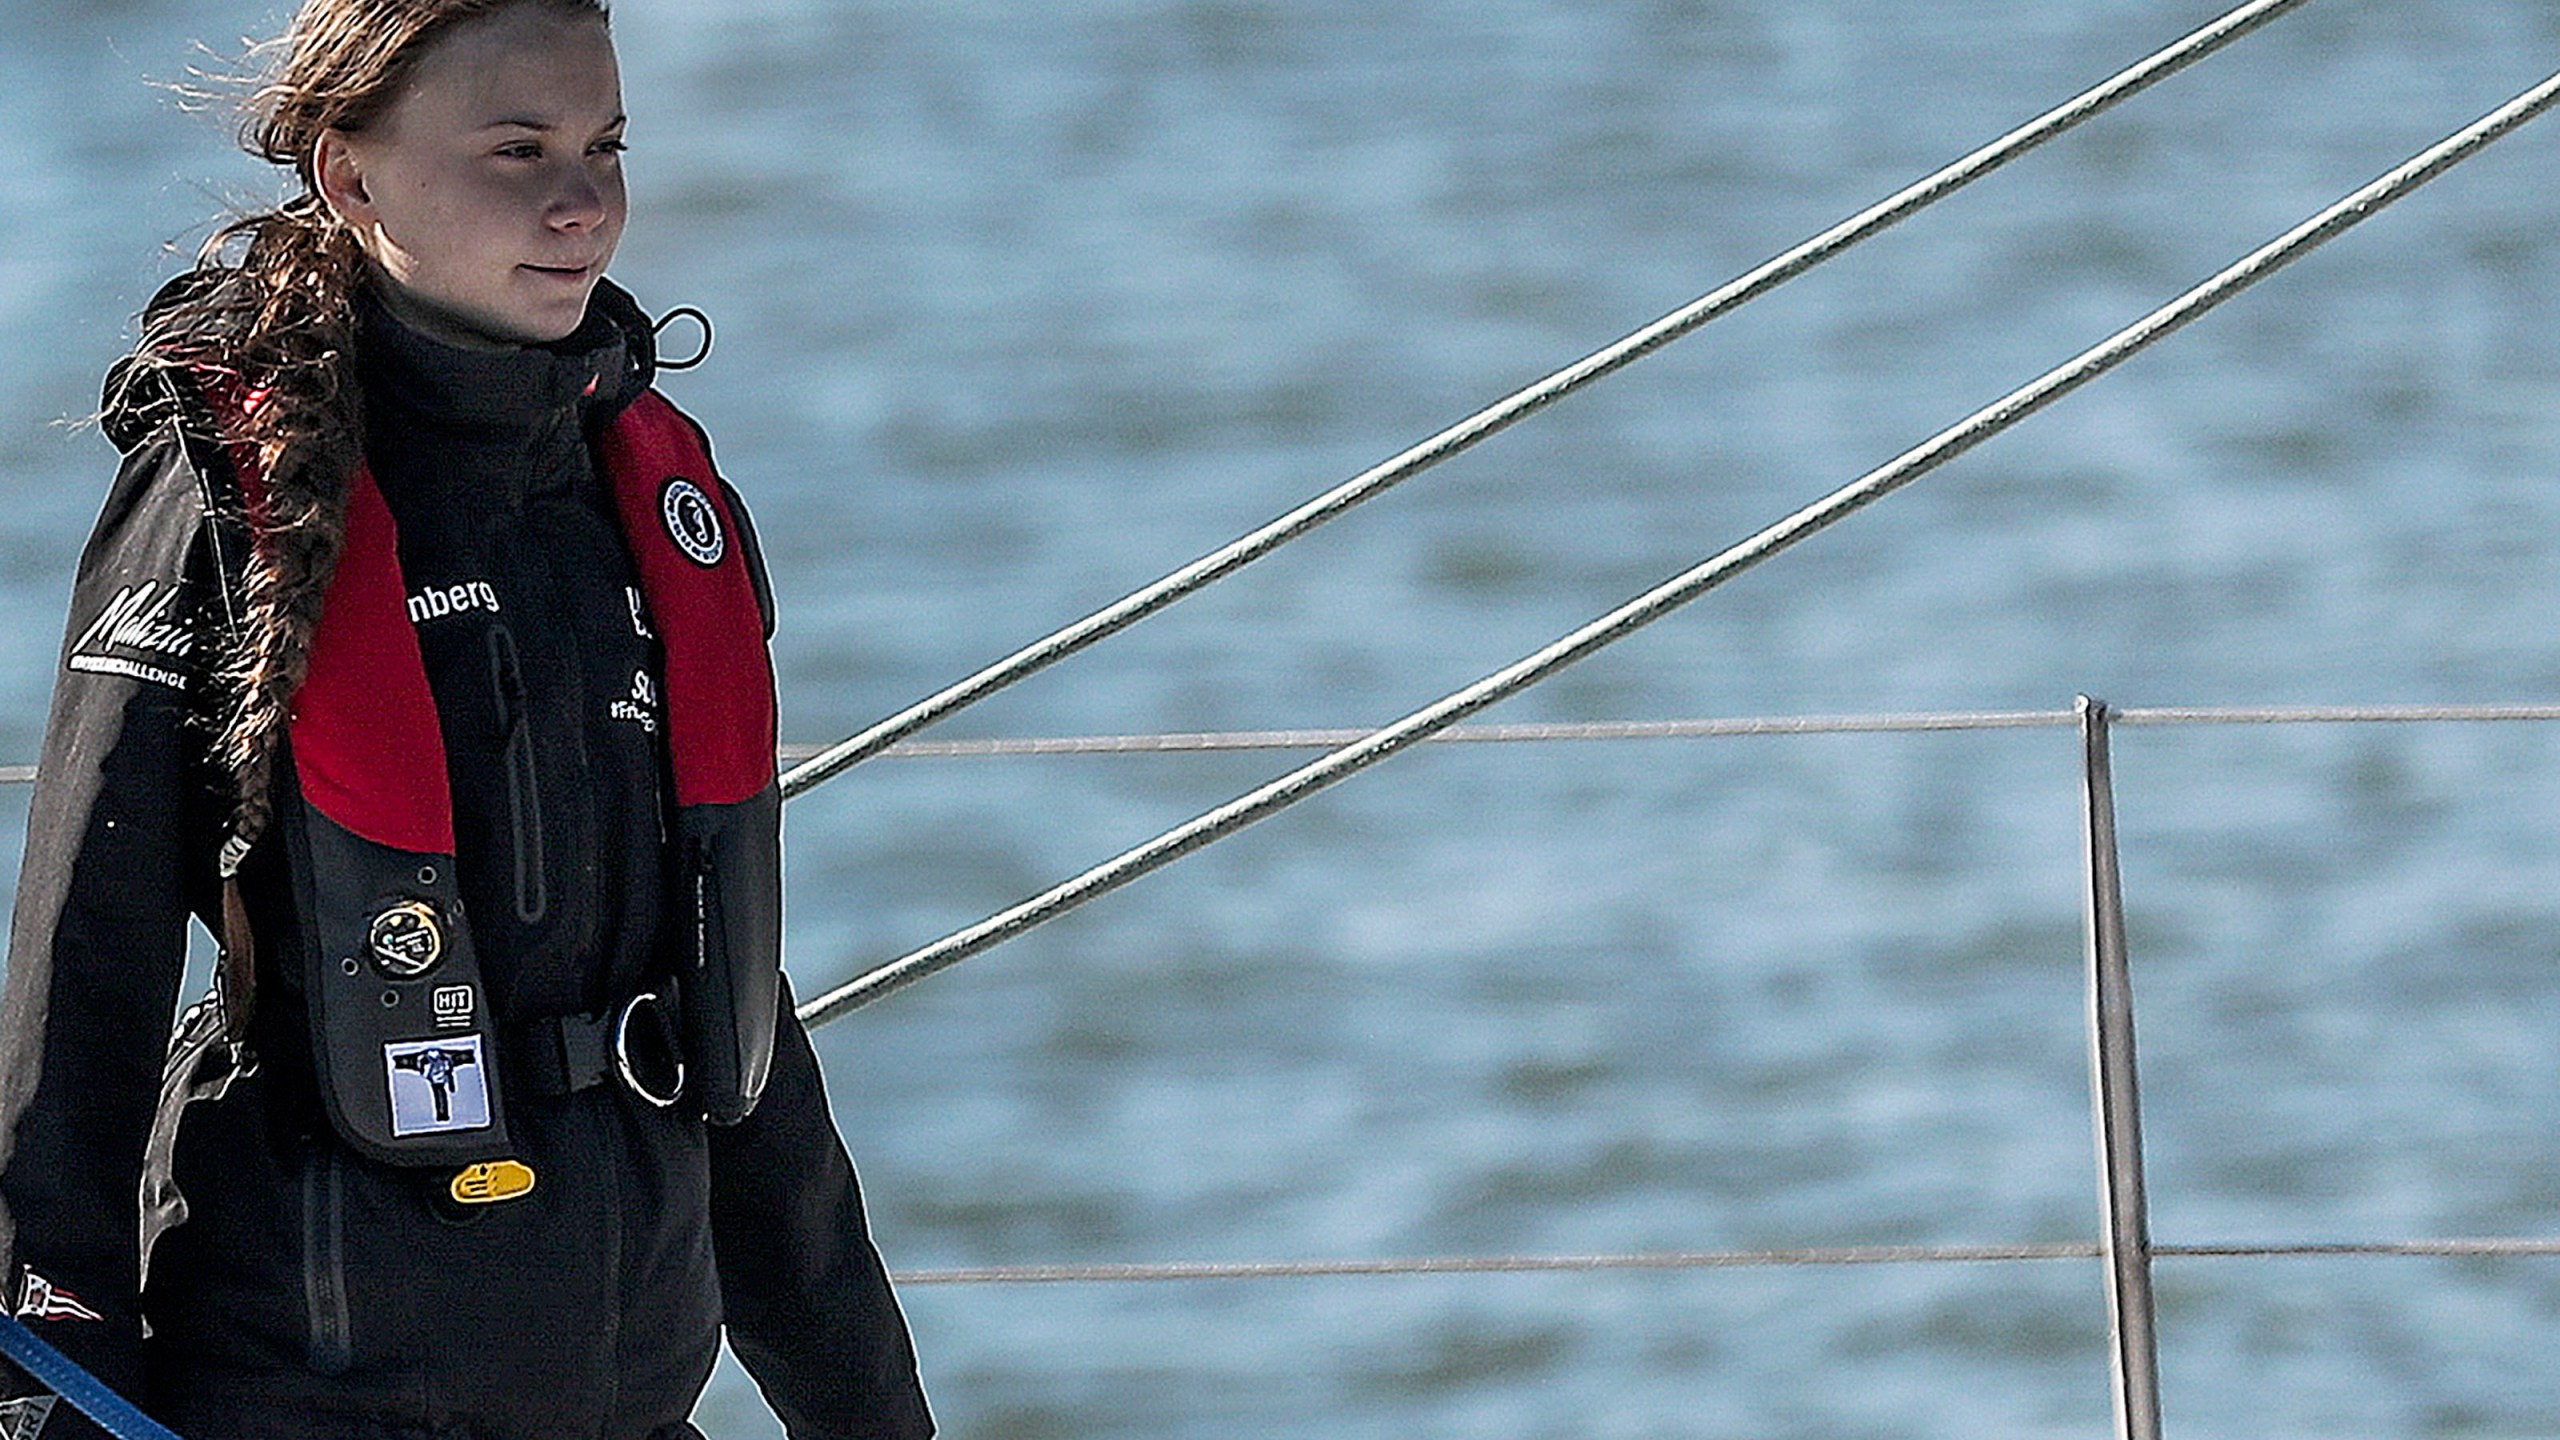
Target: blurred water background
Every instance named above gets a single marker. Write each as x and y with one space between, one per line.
1022 305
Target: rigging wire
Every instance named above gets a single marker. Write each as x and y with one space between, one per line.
1201 742
1567 731
1652 605
1145 1272
1752 284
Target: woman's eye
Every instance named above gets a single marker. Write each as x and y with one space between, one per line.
521 150
608 147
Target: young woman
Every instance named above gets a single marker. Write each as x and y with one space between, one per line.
419 653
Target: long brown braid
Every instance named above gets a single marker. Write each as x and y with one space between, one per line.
269 320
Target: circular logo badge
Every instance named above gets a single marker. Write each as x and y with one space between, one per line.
691 522
406 940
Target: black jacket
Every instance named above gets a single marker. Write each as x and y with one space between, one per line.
310 1281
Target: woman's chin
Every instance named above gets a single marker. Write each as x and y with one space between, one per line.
535 321
519 326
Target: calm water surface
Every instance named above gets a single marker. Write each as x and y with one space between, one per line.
1021 306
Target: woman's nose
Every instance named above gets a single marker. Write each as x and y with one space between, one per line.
579 201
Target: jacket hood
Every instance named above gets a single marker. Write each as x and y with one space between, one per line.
133 403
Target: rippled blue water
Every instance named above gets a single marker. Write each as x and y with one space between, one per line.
1022 305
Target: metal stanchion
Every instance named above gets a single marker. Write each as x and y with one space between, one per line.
2116 1099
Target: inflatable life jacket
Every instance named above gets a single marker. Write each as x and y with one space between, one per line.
410 1063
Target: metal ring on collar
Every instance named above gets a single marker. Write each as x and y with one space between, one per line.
630 1073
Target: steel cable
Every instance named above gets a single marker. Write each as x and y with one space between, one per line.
1141 1273
2009 410
1201 742
1570 731
1210 568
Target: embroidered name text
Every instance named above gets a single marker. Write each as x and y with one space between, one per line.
437 601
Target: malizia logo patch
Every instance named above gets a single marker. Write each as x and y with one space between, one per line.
691 522
138 634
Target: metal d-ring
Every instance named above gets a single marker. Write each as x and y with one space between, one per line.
630 1073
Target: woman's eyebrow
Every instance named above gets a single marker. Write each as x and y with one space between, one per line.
544 124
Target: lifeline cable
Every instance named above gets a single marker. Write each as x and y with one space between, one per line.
1201 742
1653 604
1150 1272
59 1373
1204 742
1485 423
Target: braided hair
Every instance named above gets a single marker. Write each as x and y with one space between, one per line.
268 320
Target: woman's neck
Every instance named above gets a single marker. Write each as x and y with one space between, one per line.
428 318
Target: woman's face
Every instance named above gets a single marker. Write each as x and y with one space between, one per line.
490 196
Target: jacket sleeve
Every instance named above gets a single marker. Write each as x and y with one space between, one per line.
118 852
804 1295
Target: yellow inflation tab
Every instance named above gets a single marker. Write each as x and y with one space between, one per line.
490 1183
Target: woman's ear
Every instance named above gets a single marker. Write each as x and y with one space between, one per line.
339 172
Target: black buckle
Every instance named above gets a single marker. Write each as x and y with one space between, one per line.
649 1061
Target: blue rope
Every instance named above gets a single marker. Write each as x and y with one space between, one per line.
56 1372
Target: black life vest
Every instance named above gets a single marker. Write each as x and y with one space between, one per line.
408 1060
